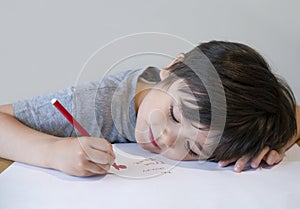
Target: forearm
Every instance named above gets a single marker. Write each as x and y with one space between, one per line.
23 144
82 156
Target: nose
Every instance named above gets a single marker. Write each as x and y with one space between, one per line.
166 139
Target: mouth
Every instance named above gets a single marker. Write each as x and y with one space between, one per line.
152 140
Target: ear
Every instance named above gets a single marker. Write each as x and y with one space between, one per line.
165 71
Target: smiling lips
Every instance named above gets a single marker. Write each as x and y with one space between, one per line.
152 140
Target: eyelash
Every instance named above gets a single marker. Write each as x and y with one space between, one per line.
187 145
191 152
171 114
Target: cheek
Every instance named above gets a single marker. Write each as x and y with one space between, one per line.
157 119
141 130
142 125
141 122
176 153
151 115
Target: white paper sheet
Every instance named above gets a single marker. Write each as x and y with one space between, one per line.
138 164
183 185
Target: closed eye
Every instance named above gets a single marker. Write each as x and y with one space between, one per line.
189 149
171 114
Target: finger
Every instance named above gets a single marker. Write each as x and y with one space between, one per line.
103 145
113 154
99 157
273 157
105 167
280 155
96 169
224 163
93 168
89 168
241 163
258 158
100 144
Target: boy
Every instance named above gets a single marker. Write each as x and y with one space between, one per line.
184 112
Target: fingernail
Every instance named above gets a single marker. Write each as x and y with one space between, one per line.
254 165
237 168
221 164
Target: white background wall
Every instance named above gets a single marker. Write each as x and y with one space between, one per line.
44 45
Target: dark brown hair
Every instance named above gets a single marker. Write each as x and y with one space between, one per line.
260 107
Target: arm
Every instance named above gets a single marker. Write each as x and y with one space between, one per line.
271 157
81 156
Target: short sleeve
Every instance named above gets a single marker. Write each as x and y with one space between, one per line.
39 113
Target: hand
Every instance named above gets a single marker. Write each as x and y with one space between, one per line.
270 157
83 156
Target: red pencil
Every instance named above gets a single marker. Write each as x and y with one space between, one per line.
72 120
69 117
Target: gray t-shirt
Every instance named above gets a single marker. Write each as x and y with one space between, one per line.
104 108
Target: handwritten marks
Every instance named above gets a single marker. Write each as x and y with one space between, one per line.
132 166
152 164
118 167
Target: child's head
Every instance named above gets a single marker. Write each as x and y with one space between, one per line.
259 108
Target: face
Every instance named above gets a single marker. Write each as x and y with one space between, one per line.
161 128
